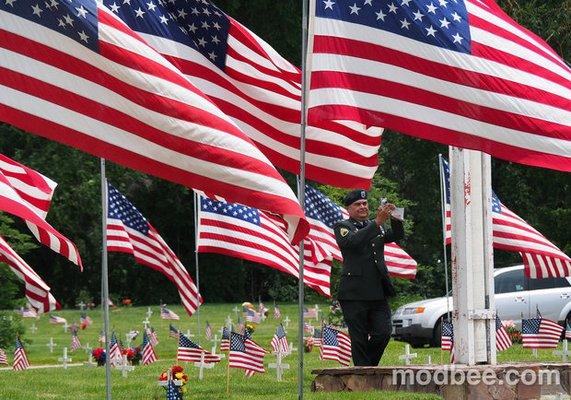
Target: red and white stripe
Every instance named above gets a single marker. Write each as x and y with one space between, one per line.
547 338
251 361
149 356
130 105
153 252
17 198
75 343
341 353
21 362
37 292
190 354
3 357
509 97
261 92
503 340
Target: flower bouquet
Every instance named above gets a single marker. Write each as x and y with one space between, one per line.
512 331
133 355
98 354
308 344
176 373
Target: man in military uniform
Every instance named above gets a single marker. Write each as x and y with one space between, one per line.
365 284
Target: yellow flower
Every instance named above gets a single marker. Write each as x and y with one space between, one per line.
178 375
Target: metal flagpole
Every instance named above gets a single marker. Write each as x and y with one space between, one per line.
301 186
196 208
443 207
105 279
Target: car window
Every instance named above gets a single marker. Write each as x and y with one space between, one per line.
512 281
548 283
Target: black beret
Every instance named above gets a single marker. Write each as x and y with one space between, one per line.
354 196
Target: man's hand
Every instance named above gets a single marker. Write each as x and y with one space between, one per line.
383 213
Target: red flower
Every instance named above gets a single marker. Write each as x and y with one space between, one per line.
176 369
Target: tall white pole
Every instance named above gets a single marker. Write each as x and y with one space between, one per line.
443 207
105 279
196 209
472 257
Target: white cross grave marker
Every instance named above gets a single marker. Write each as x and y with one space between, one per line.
291 349
286 321
90 363
213 349
279 366
87 348
128 339
317 311
65 359
65 326
82 306
534 353
563 353
51 345
124 367
236 311
33 328
149 313
188 334
228 321
146 323
407 356
202 365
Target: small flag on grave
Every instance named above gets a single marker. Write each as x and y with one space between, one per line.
503 340
191 352
225 341
173 331
279 341
54 319
3 358
20 358
75 343
208 331
335 345
149 355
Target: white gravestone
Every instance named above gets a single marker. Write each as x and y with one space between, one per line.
65 359
124 367
407 356
202 365
279 366
51 345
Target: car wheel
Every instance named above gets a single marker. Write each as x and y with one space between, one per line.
437 332
566 323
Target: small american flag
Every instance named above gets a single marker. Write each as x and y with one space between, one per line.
253 316
246 354
279 341
172 391
20 358
541 258
101 338
208 331
149 355
173 331
29 312
335 345
447 338
568 331
277 312
317 337
457 72
309 312
308 328
168 314
540 333
191 352
129 232
3 358
75 343
54 319
153 339
503 340
115 353
225 341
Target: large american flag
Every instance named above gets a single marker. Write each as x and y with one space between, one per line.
322 214
457 72
20 358
540 333
75 73
503 340
255 86
248 233
149 356
129 232
279 341
27 194
335 345
37 292
541 258
246 354
191 352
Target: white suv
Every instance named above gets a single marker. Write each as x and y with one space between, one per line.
516 297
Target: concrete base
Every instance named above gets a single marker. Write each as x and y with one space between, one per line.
517 381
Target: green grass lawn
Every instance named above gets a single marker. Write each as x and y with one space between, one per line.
89 383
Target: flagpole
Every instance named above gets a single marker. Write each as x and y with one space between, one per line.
105 279
443 208
196 208
301 187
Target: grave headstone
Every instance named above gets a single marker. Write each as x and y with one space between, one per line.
65 359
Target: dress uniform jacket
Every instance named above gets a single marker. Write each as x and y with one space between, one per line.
365 275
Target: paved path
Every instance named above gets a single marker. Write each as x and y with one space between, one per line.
44 366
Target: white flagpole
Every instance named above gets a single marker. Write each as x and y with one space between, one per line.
443 207
105 279
196 209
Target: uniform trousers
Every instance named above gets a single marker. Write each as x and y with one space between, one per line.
369 323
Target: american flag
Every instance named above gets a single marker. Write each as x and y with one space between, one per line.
172 391
191 352
225 341
149 355
173 331
208 331
20 358
459 72
246 354
75 343
447 338
335 345
3 357
541 258
248 233
85 321
255 86
169 314
309 312
308 328
27 194
80 76
253 316
540 333
277 312
503 340
129 232
317 337
54 319
567 331
28 312
115 353
322 215
279 341
153 339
